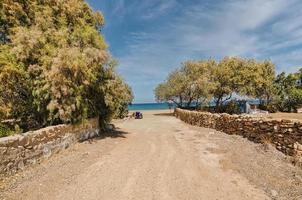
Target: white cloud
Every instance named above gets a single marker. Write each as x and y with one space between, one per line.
228 29
158 8
255 28
119 7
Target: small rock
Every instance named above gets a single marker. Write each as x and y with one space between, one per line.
298 146
21 165
46 152
274 193
86 154
3 150
110 127
22 140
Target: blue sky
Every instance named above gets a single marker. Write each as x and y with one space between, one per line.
150 38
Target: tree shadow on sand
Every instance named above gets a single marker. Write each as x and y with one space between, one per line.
115 133
164 114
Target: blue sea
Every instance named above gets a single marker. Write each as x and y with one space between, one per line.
148 106
164 106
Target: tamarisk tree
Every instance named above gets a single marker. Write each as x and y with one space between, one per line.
188 84
202 80
54 64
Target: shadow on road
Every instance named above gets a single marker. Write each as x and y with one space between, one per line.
116 133
164 114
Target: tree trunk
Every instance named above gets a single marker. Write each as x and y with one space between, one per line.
189 102
218 103
180 100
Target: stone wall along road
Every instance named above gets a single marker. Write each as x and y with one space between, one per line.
285 135
29 148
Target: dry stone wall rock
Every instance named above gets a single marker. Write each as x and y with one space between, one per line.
285 135
31 147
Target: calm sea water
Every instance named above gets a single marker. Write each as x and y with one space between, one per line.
164 106
148 106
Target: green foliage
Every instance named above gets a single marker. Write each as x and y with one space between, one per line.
5 131
242 76
108 96
200 81
288 95
54 64
294 99
264 76
188 84
231 107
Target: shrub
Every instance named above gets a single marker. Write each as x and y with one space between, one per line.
5 131
231 107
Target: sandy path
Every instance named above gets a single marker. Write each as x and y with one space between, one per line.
159 157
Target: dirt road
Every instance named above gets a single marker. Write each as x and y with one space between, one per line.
160 157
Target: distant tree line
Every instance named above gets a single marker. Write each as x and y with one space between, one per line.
197 82
55 67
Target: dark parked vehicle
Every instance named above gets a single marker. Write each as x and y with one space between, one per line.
138 115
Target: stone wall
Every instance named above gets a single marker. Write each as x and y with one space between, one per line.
285 135
29 148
